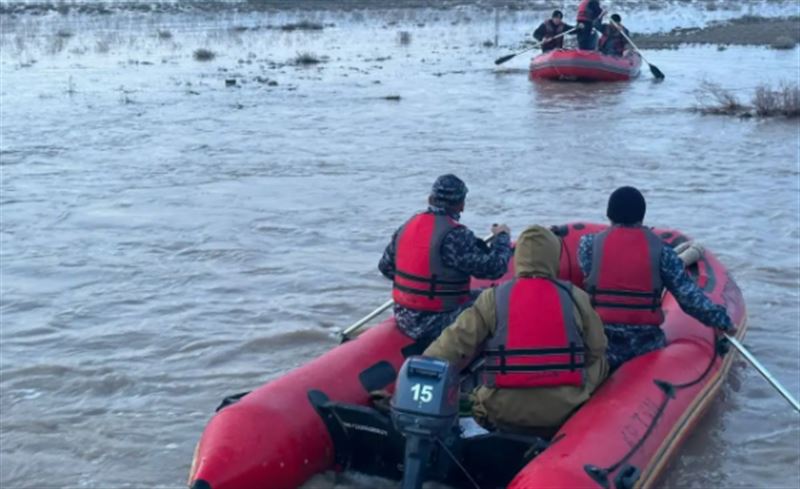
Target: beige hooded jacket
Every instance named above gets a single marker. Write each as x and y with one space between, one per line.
537 255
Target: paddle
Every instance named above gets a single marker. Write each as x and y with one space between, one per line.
653 68
507 57
353 328
763 371
345 335
689 253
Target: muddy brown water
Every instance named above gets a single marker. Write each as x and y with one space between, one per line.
168 240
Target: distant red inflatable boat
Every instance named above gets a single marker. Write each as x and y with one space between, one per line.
576 65
282 433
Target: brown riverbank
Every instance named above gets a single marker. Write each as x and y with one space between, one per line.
759 31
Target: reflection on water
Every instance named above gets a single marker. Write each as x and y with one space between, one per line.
560 95
169 238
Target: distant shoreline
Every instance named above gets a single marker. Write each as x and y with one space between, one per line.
781 33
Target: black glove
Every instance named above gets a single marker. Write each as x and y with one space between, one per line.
727 325
381 400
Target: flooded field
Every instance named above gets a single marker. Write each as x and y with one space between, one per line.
194 202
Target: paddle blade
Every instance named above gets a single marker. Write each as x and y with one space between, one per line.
656 72
503 59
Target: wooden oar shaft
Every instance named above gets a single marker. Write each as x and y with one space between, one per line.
386 305
557 36
690 254
627 38
653 68
764 372
361 322
537 44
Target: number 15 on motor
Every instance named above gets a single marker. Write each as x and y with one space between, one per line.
422 393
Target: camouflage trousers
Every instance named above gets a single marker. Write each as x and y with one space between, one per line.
627 342
427 326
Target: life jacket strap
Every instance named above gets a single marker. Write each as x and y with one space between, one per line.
503 353
430 292
432 280
655 297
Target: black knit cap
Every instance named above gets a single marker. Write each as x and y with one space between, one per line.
448 190
558 13
626 206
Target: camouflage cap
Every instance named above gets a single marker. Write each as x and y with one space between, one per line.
449 189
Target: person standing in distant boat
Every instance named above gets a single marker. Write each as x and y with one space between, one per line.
541 343
627 267
430 260
549 29
589 16
612 42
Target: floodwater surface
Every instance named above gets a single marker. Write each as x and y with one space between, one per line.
174 231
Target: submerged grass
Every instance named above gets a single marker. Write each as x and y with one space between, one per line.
306 59
57 44
303 25
102 46
783 101
203 54
713 99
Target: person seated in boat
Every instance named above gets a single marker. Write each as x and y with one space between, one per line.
521 390
612 42
589 16
551 28
431 257
627 267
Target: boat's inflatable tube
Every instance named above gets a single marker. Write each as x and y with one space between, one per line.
274 438
577 65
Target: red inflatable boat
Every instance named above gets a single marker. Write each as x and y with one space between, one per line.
282 433
577 65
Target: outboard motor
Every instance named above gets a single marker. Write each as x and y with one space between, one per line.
425 410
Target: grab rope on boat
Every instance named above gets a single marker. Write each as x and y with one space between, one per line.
628 476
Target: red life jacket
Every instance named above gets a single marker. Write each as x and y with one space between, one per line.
421 281
583 12
604 38
625 280
537 342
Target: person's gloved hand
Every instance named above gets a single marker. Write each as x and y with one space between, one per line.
726 324
500 228
481 244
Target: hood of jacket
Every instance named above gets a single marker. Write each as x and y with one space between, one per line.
537 253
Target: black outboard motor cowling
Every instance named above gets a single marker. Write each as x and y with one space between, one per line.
424 409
